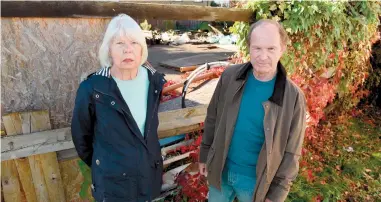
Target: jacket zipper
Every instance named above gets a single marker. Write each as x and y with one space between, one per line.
149 126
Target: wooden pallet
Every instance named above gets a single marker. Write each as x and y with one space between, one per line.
40 164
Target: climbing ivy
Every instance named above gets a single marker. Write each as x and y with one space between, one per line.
328 56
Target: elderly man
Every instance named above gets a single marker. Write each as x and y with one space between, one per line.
255 124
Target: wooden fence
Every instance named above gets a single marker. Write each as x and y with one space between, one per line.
39 164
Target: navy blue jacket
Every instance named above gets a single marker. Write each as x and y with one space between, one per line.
125 165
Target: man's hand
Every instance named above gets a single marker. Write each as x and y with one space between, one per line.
202 169
268 200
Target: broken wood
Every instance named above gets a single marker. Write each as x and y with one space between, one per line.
208 75
171 123
188 69
110 9
39 174
13 124
176 158
165 150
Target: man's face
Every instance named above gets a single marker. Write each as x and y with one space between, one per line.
266 49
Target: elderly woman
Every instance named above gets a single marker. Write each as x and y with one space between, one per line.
115 118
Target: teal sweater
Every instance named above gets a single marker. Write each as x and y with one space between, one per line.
248 136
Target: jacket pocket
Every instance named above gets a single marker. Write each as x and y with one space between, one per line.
114 179
210 157
105 103
117 186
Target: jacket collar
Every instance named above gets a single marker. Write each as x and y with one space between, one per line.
106 71
280 82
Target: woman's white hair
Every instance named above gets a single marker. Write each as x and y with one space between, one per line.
121 25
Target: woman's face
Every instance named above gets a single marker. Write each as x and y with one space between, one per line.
125 52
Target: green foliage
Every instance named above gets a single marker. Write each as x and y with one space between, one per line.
145 25
214 4
324 34
330 48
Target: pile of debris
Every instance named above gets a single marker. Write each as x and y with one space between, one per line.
176 37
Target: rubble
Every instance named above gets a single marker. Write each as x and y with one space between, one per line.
175 37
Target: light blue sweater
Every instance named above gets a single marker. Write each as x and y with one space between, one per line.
135 93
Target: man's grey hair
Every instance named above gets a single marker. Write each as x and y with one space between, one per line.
282 32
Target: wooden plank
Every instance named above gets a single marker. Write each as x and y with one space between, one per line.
165 150
171 123
109 9
181 130
70 154
176 158
179 63
171 127
38 178
22 164
170 116
67 154
37 149
25 174
42 170
188 69
52 177
39 121
2 132
13 123
76 177
40 139
10 182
